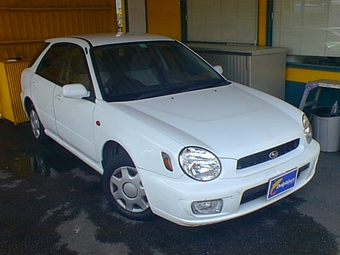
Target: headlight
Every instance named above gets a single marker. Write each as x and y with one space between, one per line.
199 164
307 128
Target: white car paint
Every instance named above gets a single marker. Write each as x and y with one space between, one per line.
231 121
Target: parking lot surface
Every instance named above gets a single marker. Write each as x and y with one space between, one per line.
51 203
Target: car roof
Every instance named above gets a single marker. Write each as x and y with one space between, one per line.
111 38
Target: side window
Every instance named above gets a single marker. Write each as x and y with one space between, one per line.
65 63
51 65
75 68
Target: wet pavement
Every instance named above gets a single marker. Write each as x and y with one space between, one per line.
51 203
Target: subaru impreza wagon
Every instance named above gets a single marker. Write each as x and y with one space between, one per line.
170 135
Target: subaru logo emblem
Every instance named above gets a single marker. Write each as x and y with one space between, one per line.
273 154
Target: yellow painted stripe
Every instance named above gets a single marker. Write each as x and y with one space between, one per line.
262 30
306 75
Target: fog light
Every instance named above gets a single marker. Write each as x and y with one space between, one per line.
207 207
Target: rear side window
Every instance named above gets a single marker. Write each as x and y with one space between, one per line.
51 65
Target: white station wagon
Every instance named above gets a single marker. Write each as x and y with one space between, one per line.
169 134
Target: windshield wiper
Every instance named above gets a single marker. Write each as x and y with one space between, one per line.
162 92
194 85
215 83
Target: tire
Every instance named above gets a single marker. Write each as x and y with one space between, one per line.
37 127
124 190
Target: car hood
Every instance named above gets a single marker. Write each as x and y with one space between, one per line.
230 121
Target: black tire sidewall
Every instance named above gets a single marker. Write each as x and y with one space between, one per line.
110 167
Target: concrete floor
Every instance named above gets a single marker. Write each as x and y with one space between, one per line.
51 203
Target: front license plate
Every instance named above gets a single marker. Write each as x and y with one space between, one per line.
281 183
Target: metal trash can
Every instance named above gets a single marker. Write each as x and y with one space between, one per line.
326 129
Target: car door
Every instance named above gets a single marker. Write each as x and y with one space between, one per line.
43 84
74 117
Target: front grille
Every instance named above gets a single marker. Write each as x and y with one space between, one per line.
264 156
262 190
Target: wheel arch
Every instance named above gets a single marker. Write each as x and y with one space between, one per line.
112 149
27 104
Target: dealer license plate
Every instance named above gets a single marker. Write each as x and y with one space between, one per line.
281 183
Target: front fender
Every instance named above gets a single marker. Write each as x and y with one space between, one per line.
141 141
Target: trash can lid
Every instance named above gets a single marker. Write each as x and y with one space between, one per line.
323 112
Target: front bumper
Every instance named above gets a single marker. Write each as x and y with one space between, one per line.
172 199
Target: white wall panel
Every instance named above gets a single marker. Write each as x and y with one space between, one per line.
233 21
307 27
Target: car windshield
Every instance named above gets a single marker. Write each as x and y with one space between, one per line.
140 70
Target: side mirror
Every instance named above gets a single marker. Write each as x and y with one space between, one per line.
75 91
219 69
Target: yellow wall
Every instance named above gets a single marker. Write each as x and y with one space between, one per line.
25 24
164 17
262 29
10 88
